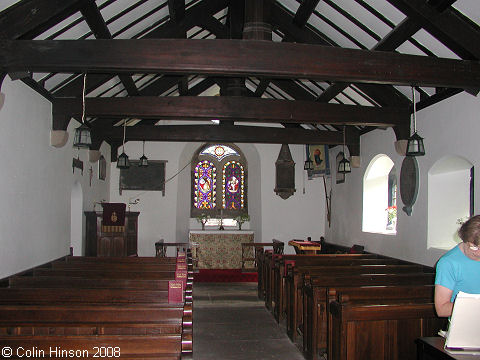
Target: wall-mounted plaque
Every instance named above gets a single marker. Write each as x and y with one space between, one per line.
151 177
409 183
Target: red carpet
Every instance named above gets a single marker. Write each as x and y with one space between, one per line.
224 275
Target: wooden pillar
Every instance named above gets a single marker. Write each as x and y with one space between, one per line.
257 25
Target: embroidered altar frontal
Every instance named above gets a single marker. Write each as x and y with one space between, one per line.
219 249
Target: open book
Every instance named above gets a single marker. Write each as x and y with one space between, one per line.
463 335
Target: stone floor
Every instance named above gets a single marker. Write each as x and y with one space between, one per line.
230 323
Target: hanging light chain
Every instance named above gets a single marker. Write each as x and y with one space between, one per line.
124 132
414 111
83 97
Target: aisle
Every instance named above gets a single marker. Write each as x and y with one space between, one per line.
230 323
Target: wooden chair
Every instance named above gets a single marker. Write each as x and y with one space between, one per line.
160 249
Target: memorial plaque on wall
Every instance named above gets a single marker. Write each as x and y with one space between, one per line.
409 183
151 177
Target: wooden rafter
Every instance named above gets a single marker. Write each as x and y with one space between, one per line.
29 18
449 26
97 24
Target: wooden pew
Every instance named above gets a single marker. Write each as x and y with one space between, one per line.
382 330
107 274
270 268
113 266
117 260
294 283
376 294
284 278
83 306
168 346
67 282
264 259
315 301
93 320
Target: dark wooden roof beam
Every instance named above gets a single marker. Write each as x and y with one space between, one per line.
228 133
248 109
237 58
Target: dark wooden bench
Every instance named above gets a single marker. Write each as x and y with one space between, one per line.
167 346
60 265
93 320
117 260
315 301
275 292
126 302
381 330
260 256
78 282
107 274
287 278
292 301
272 264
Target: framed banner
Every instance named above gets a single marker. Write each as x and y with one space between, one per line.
321 165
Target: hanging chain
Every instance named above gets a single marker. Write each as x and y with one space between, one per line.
83 97
414 111
124 132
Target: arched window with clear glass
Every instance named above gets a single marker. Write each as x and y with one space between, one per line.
219 181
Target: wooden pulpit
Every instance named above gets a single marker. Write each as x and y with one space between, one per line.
111 243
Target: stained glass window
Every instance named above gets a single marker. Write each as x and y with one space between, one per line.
219 182
233 186
219 152
205 185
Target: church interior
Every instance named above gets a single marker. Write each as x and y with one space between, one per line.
150 129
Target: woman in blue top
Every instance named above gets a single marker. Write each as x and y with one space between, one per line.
459 269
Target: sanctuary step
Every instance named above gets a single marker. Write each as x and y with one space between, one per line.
224 275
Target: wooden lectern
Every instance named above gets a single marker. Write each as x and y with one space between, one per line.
100 243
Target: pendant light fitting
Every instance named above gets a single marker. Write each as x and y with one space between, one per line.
308 165
143 162
83 137
122 161
344 165
415 145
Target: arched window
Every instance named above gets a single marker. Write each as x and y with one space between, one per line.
447 209
380 196
219 181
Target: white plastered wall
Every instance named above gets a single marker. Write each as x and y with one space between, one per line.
37 182
449 128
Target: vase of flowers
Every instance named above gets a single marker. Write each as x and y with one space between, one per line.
391 216
241 219
202 219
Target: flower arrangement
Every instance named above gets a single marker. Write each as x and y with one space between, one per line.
392 213
243 217
203 218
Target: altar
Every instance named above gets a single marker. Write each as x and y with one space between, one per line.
221 249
